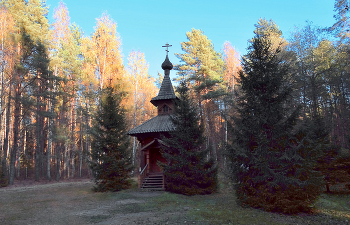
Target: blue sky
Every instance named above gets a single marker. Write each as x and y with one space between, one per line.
146 25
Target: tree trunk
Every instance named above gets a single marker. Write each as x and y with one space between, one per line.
211 134
25 149
81 144
87 128
327 188
58 161
42 144
2 89
16 125
50 134
73 139
38 147
21 146
65 162
7 131
49 142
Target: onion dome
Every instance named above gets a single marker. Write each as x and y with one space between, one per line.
167 65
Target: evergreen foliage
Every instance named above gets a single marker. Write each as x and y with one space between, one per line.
187 170
110 157
272 160
335 165
3 179
202 65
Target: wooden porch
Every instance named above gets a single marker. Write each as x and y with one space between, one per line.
152 182
151 175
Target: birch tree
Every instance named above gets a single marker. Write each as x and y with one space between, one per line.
142 88
7 60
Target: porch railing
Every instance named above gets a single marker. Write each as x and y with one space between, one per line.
142 175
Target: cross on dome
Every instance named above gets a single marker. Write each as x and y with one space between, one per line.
167 46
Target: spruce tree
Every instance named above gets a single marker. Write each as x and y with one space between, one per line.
272 162
187 171
110 154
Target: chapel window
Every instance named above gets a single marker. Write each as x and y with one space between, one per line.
165 109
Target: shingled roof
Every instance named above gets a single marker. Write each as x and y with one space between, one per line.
166 89
160 123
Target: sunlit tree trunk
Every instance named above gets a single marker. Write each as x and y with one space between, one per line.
7 130
73 138
81 144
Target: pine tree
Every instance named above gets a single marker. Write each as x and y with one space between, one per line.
42 91
32 80
272 162
204 68
201 65
110 157
187 170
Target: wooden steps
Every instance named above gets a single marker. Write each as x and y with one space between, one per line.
153 182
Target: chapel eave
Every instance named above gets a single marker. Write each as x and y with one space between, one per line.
158 124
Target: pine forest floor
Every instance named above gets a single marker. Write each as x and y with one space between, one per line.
76 203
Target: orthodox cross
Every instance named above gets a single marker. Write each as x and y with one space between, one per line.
167 46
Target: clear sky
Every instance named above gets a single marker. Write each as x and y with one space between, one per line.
146 25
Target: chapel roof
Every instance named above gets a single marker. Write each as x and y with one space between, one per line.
166 90
160 123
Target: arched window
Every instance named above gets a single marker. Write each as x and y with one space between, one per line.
165 108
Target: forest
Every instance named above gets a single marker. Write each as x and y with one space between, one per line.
52 77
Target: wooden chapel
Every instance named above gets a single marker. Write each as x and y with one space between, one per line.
151 176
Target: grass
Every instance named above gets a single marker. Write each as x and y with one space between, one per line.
78 204
223 209
335 205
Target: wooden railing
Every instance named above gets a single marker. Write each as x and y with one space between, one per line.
142 175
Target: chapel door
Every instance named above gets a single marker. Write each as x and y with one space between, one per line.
155 156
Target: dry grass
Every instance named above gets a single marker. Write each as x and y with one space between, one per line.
76 203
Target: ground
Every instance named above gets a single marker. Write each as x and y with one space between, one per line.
76 203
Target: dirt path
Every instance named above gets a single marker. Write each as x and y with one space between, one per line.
75 203
34 185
